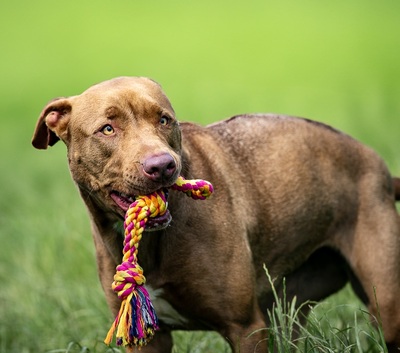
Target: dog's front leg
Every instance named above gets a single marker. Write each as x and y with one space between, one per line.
107 261
251 338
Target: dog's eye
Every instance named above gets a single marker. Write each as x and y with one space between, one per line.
164 120
107 130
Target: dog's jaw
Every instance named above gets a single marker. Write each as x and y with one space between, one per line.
124 201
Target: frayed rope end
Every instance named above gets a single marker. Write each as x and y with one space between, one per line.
136 322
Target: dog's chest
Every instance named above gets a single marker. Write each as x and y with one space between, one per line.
165 311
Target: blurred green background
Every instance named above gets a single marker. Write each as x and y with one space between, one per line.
337 62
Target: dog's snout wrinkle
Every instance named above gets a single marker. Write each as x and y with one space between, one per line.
160 167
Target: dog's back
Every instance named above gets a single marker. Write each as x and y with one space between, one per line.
317 204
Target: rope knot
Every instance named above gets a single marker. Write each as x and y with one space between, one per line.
128 276
136 321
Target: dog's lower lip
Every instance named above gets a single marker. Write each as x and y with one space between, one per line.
122 200
159 222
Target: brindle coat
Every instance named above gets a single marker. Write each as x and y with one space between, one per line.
313 204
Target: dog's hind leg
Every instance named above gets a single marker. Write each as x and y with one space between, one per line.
373 253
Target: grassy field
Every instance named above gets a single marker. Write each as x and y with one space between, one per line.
337 62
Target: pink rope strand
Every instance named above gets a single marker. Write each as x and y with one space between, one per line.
136 322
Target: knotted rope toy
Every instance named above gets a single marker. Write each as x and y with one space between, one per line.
136 321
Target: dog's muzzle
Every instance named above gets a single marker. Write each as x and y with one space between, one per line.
124 202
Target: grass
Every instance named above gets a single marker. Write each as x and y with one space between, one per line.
334 62
328 327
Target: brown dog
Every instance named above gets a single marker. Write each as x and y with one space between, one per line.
311 203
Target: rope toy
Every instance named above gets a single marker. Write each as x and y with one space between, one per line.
136 321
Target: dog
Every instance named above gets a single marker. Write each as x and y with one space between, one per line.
311 203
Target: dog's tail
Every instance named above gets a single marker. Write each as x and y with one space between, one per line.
396 188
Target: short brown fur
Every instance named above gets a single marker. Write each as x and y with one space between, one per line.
313 204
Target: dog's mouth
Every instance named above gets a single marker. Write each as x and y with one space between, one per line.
124 201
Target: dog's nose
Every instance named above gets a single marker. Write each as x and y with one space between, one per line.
159 168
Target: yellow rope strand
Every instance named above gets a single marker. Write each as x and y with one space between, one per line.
136 321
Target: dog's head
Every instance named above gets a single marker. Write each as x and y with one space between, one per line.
122 139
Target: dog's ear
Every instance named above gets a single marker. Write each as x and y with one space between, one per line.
52 123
